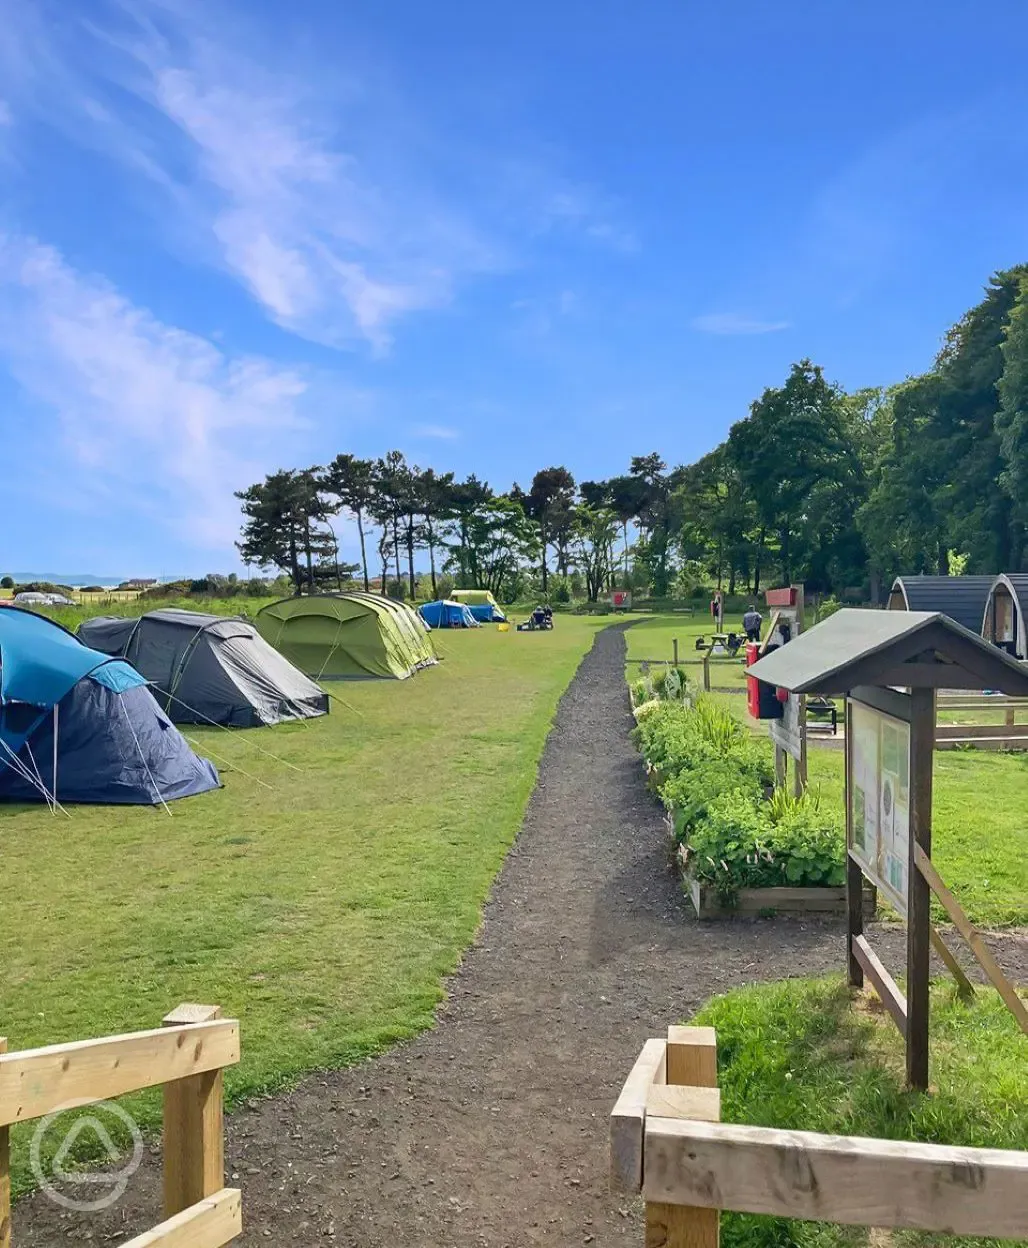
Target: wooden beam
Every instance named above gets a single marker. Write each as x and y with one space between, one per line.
883 982
674 1100
830 1178
628 1117
35 1082
692 1056
964 986
926 869
194 1127
1011 731
5 1176
210 1223
919 900
691 1069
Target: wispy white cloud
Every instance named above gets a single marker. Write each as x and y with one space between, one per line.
588 213
730 323
443 432
146 413
312 181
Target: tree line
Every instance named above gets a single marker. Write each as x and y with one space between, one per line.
840 490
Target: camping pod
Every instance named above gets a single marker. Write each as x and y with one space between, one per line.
445 614
77 725
481 603
1006 609
962 598
348 636
209 668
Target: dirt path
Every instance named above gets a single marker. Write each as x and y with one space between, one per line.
491 1129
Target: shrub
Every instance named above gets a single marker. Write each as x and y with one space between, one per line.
735 830
7 582
738 844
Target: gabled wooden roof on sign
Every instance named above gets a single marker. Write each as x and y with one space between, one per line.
903 649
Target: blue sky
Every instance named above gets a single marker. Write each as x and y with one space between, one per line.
241 236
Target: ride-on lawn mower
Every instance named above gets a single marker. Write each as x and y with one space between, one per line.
541 617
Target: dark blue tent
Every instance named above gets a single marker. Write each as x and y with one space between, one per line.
444 614
79 726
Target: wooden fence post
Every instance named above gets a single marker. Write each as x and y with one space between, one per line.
706 671
194 1140
919 896
5 1177
674 648
691 1061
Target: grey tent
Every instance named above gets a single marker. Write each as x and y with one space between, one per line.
208 668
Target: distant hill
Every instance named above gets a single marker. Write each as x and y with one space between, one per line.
75 579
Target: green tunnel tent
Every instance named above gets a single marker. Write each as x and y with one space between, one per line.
482 605
347 636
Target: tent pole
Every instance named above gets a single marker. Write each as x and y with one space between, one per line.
54 785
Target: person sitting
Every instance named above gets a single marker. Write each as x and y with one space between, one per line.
751 623
539 617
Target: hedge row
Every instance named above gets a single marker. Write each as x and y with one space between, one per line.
733 829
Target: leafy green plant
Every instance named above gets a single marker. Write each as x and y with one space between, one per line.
735 830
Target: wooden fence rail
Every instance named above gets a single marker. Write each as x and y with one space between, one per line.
187 1056
667 1142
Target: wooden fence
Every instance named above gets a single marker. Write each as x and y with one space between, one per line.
1008 735
667 1142
187 1055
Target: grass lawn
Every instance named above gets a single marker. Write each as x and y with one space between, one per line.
980 834
323 910
801 1055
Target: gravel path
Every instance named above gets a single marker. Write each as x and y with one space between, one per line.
491 1129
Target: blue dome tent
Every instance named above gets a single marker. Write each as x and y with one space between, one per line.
444 614
79 726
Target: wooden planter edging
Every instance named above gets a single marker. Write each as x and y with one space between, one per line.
780 900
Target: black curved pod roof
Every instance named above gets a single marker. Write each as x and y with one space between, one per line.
962 598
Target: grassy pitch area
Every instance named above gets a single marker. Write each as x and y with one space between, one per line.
806 1055
321 896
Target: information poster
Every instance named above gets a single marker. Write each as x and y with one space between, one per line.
880 799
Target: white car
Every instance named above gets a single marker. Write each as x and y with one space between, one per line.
32 599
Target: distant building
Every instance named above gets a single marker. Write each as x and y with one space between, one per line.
139 582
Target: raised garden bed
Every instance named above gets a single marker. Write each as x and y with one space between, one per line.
767 901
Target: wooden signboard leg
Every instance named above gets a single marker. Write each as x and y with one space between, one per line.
854 875
919 918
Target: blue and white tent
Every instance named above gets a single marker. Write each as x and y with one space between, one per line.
79 726
445 614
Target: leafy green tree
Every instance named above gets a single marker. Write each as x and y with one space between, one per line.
465 499
793 454
7 582
655 486
715 518
549 503
286 525
435 500
352 482
1012 419
593 533
498 540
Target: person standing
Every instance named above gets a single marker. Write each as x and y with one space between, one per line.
751 623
